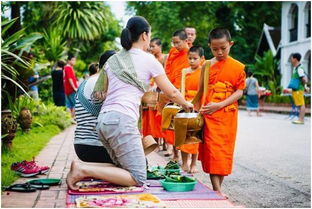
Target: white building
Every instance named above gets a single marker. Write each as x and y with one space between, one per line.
295 37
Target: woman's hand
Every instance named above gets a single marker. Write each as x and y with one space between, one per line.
210 108
188 107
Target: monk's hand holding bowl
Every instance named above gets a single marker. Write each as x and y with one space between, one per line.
210 108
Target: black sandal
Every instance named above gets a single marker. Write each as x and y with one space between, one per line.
21 188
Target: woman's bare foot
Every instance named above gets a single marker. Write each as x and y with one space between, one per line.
224 195
193 169
185 167
74 175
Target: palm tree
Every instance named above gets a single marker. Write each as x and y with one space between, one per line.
81 20
54 45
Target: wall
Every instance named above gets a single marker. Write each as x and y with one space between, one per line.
302 45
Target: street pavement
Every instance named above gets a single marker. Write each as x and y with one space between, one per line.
272 163
272 167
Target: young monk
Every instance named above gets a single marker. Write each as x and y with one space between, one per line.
177 60
226 84
195 57
155 115
156 50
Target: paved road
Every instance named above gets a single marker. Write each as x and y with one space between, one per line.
272 166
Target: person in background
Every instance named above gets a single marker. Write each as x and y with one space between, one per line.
33 89
298 95
57 84
253 95
87 144
70 84
151 119
156 50
191 35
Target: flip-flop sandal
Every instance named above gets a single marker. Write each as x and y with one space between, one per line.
46 181
21 188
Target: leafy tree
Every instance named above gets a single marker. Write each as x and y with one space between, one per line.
167 17
249 18
244 20
89 35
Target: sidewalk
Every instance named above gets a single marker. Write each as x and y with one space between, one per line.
277 109
58 154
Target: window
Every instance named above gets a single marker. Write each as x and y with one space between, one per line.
307 20
307 64
293 23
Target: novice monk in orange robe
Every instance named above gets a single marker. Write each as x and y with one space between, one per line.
177 60
226 84
151 120
151 124
195 57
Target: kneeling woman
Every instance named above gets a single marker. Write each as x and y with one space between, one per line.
128 72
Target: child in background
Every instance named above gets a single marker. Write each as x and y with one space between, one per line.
192 76
220 109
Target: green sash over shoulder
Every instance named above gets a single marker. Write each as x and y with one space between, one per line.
122 66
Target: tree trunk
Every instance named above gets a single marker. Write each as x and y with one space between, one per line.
15 12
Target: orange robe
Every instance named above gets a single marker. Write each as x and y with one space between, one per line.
191 87
216 153
151 121
176 62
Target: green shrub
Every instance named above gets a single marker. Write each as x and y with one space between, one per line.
53 115
80 67
45 88
277 99
43 115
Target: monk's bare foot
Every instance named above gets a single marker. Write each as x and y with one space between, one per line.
74 175
185 167
175 158
193 169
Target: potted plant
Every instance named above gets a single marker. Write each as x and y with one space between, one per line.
8 128
25 119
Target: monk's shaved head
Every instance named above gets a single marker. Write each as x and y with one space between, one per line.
181 34
219 33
